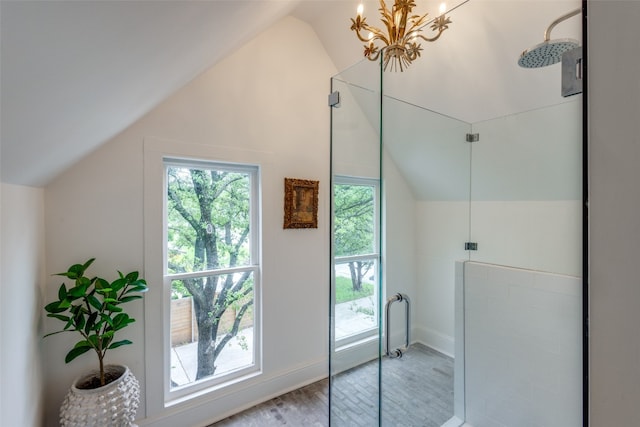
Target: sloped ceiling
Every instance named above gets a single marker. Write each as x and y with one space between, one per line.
76 73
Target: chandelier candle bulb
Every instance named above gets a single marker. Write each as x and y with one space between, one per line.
403 31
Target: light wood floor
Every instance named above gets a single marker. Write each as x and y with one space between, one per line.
417 392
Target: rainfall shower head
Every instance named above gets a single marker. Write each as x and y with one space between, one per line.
549 51
546 53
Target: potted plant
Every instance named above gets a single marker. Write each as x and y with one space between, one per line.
92 307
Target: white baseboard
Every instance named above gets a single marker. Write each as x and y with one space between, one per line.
437 341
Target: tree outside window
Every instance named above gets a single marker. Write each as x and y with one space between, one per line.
210 267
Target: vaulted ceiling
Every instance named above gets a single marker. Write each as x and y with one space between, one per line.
76 73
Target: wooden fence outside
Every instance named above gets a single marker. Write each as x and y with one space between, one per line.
184 328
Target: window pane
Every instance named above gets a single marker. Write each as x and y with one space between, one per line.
356 298
355 263
208 219
210 267
354 216
212 326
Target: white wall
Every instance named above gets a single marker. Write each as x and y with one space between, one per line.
614 200
442 229
270 97
22 262
538 235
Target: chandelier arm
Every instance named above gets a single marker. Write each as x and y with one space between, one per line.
374 57
377 33
413 33
431 39
362 39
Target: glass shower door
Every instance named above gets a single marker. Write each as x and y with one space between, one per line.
354 391
426 190
410 190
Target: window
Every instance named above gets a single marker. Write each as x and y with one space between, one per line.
212 276
355 234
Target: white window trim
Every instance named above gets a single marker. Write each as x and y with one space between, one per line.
156 312
189 391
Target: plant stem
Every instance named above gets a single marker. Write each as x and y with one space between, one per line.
102 379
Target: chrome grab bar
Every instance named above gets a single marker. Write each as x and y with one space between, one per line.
397 353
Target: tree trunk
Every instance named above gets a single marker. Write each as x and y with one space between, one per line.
203 304
206 359
355 268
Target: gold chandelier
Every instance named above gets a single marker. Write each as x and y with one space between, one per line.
402 37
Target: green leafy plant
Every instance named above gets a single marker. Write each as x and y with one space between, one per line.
92 307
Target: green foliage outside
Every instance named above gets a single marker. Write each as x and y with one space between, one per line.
354 219
208 219
354 231
345 292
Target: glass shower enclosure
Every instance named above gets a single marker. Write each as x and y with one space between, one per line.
456 251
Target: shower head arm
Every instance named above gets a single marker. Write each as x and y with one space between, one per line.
547 33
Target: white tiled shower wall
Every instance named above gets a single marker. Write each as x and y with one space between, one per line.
522 347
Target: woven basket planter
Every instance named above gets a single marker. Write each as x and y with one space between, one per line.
112 405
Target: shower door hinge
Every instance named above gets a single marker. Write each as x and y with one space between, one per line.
470 246
473 137
334 99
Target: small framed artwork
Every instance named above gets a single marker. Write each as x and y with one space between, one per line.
300 203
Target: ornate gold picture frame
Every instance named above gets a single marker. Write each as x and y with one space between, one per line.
300 203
